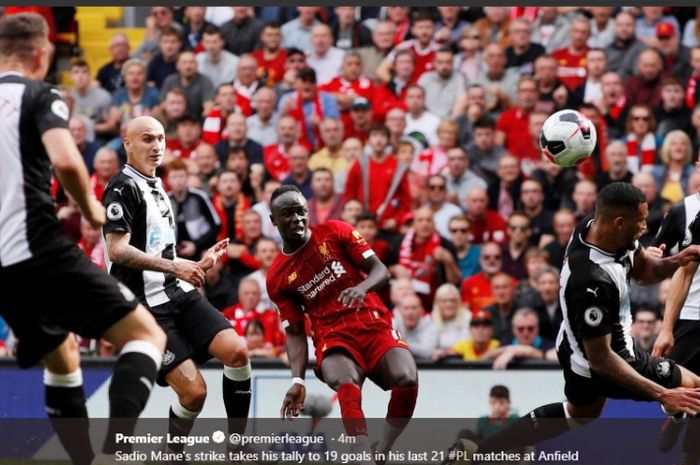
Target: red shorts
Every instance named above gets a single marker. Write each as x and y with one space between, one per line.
366 341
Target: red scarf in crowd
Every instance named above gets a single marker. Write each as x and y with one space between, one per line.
690 90
422 268
617 107
645 154
298 114
242 204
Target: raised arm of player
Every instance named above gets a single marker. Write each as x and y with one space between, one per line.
72 173
680 284
377 277
298 353
122 252
607 363
649 269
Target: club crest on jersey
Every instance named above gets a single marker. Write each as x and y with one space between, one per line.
663 368
325 253
292 277
593 316
168 357
115 211
60 109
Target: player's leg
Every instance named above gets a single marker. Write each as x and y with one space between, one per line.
396 370
230 349
187 382
691 445
65 399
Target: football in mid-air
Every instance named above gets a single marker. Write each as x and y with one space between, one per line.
568 138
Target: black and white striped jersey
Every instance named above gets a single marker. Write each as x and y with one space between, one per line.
676 231
28 226
138 204
594 297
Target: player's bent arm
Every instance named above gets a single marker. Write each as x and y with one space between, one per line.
377 273
607 363
70 169
649 269
297 349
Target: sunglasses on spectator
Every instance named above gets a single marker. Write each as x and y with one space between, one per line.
459 230
434 187
515 227
523 329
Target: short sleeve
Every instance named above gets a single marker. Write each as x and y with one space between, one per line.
51 111
290 312
351 241
592 304
121 201
692 234
672 229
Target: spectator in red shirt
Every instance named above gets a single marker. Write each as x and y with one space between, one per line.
91 243
487 225
646 86
572 59
527 148
275 156
188 135
388 193
270 57
399 17
214 127
349 85
245 311
360 119
513 124
476 289
230 204
613 104
246 84
391 94
422 46
106 166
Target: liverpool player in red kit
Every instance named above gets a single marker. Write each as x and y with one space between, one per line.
330 273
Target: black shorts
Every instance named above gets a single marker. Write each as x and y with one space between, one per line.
66 292
190 322
585 391
686 350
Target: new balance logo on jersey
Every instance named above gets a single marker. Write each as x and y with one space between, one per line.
593 291
338 269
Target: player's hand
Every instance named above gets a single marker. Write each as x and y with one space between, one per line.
681 399
664 343
656 252
352 296
95 214
186 249
687 255
293 402
213 254
190 272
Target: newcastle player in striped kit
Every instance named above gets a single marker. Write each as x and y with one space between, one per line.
68 292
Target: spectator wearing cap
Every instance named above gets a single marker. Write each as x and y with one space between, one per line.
324 58
324 203
522 52
360 119
135 98
513 124
591 90
442 86
602 27
551 28
242 33
237 131
109 76
672 113
299 173
646 86
347 32
215 62
572 59
213 128
294 61
297 32
500 82
481 339
417 329
332 156
422 46
275 155
613 104
563 224
437 202
625 48
270 56
263 123
527 344
418 118
163 63
392 94
374 53
188 135
309 106
675 56
349 85
646 25
389 197
246 84
198 88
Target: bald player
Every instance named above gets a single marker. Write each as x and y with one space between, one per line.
140 239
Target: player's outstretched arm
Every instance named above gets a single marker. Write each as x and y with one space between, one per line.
122 252
649 269
72 173
377 277
680 284
213 255
606 362
298 353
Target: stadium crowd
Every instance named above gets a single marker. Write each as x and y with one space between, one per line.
420 127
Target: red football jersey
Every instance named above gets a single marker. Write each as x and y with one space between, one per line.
572 67
311 279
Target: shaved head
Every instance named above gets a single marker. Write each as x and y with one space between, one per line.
145 144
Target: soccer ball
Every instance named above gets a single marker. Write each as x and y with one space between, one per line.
567 138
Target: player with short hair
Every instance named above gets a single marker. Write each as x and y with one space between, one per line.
70 293
331 274
140 240
594 345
